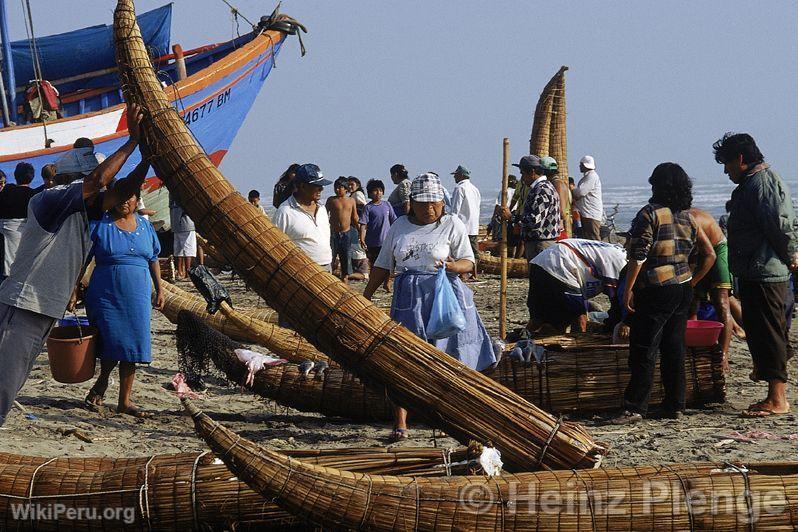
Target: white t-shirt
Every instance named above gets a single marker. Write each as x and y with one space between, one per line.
465 204
417 247
510 192
604 264
311 235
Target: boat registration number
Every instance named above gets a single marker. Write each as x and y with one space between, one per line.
206 108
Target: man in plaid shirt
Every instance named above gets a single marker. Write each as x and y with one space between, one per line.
541 222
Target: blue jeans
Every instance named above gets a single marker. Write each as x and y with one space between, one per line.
341 245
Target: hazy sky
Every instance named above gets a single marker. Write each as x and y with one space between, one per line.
435 84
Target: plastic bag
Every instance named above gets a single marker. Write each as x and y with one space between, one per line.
210 288
446 317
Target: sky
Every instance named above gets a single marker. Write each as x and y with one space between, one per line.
434 84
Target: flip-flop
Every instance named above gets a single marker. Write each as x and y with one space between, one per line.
761 413
136 413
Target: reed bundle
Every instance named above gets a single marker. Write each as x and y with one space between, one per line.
183 491
571 380
558 138
516 268
265 315
662 497
593 379
333 392
343 325
241 327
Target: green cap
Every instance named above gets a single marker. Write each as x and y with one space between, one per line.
463 171
548 163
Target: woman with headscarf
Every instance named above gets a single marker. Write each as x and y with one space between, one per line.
659 290
415 247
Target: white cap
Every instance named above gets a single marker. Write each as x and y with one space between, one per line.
77 160
588 162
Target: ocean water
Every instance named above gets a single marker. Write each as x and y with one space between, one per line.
711 197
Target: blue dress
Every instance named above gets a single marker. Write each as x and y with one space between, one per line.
119 297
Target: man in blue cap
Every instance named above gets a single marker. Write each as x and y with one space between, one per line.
304 219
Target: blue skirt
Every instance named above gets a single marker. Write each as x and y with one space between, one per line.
413 293
119 304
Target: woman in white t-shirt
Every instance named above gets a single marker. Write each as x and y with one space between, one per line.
415 247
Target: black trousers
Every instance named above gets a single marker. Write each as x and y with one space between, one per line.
546 301
658 325
765 323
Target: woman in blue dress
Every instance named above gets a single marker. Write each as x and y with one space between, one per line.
415 247
120 298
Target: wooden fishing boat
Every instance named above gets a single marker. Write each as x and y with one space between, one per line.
578 380
343 325
700 496
220 85
184 491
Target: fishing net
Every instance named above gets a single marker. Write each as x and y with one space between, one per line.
194 341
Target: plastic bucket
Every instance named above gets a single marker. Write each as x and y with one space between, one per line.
702 333
71 352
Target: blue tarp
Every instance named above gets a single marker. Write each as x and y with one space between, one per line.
88 49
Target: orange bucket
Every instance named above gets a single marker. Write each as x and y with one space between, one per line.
71 352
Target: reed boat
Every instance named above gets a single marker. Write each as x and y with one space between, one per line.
343 325
516 268
184 491
699 496
573 380
212 88
242 326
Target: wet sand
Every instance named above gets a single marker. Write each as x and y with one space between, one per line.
54 409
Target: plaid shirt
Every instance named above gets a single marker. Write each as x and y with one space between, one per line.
664 240
541 218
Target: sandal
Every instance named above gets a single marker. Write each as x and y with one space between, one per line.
762 412
136 412
398 435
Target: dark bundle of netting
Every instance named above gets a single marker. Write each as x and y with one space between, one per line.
203 352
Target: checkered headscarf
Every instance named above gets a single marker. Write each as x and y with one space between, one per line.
426 187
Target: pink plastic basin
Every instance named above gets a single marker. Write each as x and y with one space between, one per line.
702 333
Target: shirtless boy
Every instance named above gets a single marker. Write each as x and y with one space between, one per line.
717 283
342 211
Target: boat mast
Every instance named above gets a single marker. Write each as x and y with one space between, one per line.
8 91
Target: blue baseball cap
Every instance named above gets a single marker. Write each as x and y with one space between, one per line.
311 174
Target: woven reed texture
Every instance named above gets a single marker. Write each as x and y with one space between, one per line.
541 122
576 380
343 325
265 315
238 326
332 393
658 497
183 491
516 268
594 379
558 136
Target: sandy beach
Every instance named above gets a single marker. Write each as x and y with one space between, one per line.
54 410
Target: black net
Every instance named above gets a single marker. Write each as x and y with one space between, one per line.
202 351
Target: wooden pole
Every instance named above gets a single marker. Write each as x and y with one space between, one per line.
503 244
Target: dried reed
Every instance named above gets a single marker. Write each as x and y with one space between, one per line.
343 325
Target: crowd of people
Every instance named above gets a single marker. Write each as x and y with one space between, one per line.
678 262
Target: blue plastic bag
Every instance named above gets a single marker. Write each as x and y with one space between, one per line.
446 317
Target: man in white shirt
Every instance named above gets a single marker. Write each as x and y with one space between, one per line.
304 219
587 195
466 200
